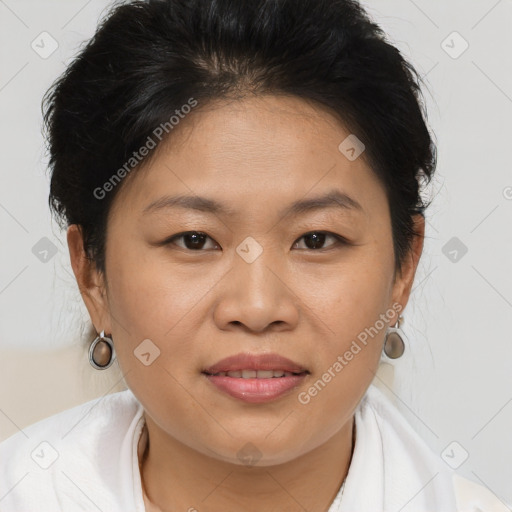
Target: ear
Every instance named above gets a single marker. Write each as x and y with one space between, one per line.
404 279
90 281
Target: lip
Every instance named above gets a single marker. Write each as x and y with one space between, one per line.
246 361
256 390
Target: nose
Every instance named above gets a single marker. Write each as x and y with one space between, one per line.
257 297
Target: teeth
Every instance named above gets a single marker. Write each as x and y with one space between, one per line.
255 374
264 374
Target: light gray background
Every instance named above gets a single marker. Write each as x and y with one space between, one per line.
455 382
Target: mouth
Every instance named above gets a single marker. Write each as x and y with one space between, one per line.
247 364
256 374
256 378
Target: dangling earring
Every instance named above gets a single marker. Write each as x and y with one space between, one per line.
101 352
394 345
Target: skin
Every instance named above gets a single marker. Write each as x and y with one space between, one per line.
255 156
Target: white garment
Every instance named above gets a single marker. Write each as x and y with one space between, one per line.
86 459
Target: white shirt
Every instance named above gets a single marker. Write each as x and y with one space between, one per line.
86 459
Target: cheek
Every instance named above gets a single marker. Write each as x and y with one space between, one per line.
347 353
351 311
147 293
149 300
348 296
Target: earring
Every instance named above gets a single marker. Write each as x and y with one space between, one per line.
394 345
101 352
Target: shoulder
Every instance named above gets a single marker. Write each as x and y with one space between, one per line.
90 417
45 460
468 495
473 497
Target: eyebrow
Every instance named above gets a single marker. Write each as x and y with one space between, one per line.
333 199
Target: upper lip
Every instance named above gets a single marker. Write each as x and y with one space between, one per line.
245 361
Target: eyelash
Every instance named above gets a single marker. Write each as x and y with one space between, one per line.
339 240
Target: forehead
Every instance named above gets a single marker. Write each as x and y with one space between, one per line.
271 149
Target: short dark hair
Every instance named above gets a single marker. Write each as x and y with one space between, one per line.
148 58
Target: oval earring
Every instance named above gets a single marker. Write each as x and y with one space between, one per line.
394 345
101 352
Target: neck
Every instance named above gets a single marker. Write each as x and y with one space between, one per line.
176 477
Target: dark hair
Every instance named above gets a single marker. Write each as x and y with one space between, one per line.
148 59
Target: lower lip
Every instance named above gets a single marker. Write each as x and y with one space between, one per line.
256 390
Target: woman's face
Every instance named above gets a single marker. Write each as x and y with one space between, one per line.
261 276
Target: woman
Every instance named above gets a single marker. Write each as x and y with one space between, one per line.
240 183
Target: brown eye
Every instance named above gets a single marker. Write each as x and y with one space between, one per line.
316 239
193 240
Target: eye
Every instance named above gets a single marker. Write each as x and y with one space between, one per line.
197 240
315 239
193 240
